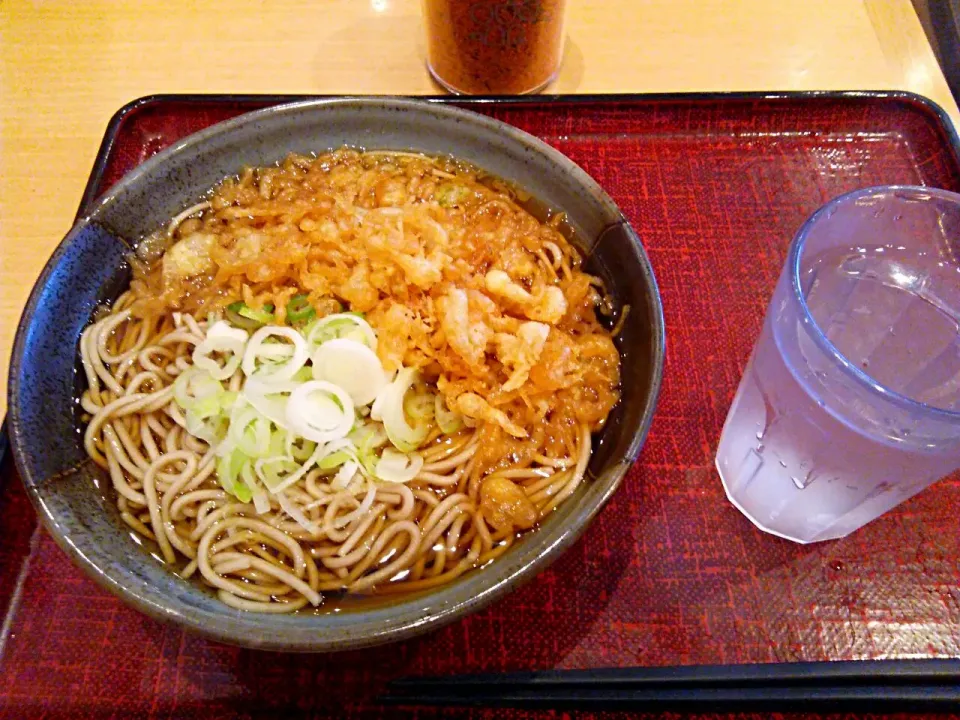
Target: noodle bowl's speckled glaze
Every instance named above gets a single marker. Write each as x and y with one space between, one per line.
73 497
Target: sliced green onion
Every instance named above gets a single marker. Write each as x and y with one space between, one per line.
368 436
226 341
340 325
205 402
204 419
320 411
352 366
419 406
448 420
296 412
210 429
264 315
298 448
299 309
260 501
388 408
344 476
274 470
397 467
368 461
242 492
272 351
233 315
229 467
250 432
333 460
268 400
278 483
206 406
260 357
193 385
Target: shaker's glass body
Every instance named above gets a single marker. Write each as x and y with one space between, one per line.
494 46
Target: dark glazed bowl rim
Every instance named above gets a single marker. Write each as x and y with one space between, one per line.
422 611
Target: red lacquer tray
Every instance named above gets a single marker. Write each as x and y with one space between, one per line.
670 573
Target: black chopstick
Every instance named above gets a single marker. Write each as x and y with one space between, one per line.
909 683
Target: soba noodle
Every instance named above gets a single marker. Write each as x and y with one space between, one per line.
409 241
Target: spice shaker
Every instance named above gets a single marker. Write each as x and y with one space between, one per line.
494 46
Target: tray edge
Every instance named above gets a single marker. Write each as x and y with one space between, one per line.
891 670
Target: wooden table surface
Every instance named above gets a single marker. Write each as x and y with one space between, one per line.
66 66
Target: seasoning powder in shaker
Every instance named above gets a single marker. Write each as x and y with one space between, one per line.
494 46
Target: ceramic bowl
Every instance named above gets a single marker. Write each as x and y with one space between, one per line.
74 498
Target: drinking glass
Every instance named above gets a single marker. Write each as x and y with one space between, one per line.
850 402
